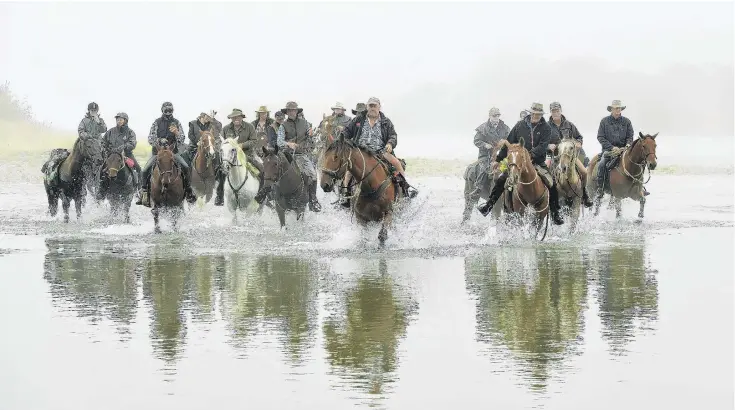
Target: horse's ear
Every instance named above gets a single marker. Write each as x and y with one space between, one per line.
265 151
654 136
522 142
640 134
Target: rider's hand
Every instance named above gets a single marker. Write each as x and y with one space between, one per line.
173 129
291 145
489 146
388 148
552 147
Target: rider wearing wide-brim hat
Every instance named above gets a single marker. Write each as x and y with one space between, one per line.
359 109
244 133
261 123
298 141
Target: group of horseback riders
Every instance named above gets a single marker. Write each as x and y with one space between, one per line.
539 135
289 131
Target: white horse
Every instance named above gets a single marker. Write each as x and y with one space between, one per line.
241 185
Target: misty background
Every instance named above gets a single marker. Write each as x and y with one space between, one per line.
437 67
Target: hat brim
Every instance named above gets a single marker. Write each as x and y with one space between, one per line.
537 112
610 107
231 116
355 112
285 110
339 108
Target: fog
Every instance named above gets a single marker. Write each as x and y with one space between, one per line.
437 67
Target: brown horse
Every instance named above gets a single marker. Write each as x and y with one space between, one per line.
284 184
167 187
66 180
569 181
376 190
203 171
526 186
626 179
120 184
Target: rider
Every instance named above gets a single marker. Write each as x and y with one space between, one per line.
123 140
244 133
563 128
536 133
205 122
615 131
92 125
276 132
340 118
298 141
360 109
375 132
488 134
524 114
261 123
169 128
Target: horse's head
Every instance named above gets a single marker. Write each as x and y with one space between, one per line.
206 145
335 162
643 150
568 152
113 164
273 167
228 151
519 160
165 162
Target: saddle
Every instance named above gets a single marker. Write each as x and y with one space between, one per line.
50 168
545 175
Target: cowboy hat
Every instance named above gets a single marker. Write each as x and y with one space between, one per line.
359 108
338 106
291 105
616 104
262 108
537 108
494 111
236 112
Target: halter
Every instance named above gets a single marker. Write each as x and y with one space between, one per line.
339 173
643 165
122 159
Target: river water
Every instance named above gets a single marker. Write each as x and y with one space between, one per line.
97 314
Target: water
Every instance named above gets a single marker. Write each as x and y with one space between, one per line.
97 314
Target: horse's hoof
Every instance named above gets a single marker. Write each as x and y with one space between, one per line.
156 230
640 215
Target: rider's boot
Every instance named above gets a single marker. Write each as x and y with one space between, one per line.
188 193
314 204
586 198
494 196
554 206
348 194
408 190
219 200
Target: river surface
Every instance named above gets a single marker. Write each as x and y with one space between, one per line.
96 314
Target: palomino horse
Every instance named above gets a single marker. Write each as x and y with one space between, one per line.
241 184
470 182
526 186
626 179
167 187
66 180
373 200
203 176
118 177
569 182
284 184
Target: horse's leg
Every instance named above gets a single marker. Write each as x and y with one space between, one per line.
176 213
468 200
642 201
65 204
383 235
53 201
281 215
156 211
126 208
618 207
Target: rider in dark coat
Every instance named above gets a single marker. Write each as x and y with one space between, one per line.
536 134
119 139
487 135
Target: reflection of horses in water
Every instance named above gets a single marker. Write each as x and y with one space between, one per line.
471 194
64 176
167 187
203 169
569 182
376 190
283 182
626 179
241 184
527 188
120 184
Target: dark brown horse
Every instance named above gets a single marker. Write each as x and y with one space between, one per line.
120 184
167 187
66 180
376 190
203 170
284 184
626 179
528 189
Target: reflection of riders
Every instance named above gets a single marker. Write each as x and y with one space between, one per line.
244 133
615 131
205 122
119 139
165 128
488 134
536 133
375 132
297 137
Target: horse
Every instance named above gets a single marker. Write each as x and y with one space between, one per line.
526 186
324 136
283 182
118 175
376 191
91 167
626 179
470 181
203 176
241 183
65 177
167 187
569 182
